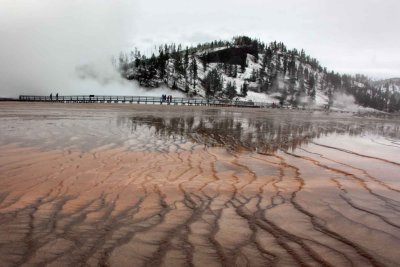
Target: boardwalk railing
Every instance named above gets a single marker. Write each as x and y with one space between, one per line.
141 100
158 100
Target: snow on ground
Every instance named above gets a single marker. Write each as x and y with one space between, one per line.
395 88
358 84
259 97
210 50
392 88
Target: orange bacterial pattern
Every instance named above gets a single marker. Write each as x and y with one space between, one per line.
332 201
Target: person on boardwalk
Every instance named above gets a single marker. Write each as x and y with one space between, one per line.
57 96
51 96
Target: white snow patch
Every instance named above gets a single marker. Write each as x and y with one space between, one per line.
259 97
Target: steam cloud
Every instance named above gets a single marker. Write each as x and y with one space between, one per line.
345 101
51 46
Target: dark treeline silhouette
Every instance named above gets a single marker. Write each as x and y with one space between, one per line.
291 72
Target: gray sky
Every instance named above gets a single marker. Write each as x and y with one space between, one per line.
43 41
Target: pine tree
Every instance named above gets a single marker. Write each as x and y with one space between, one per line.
253 76
278 64
161 64
213 83
302 55
302 88
300 72
292 86
313 94
244 89
178 66
330 98
204 65
393 104
311 85
264 86
186 59
243 65
306 73
193 70
230 90
268 56
235 70
285 65
292 67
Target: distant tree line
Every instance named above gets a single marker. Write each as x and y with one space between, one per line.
291 72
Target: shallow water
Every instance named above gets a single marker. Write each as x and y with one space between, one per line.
137 185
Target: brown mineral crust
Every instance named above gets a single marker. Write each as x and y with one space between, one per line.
204 206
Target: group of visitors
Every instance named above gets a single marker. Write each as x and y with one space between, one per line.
165 98
51 96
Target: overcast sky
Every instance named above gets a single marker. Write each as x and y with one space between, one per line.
43 41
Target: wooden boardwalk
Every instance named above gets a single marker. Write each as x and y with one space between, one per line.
157 100
142 100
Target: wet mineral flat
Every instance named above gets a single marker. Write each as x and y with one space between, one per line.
148 185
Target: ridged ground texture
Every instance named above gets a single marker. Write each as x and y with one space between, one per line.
170 186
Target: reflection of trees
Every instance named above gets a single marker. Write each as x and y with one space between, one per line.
262 134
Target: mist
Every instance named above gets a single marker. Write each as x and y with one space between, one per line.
345 101
65 47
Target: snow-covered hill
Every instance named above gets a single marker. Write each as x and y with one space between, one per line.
248 69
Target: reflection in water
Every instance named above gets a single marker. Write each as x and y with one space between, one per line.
262 134
154 130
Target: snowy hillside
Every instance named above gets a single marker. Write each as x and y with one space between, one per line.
248 69
391 85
